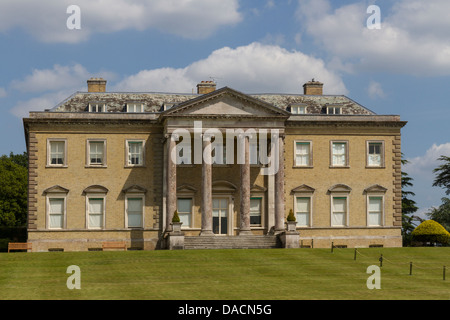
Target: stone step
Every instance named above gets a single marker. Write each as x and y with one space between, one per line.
231 242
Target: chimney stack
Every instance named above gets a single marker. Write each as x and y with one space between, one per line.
205 87
96 85
313 88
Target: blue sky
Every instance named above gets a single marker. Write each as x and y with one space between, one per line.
252 46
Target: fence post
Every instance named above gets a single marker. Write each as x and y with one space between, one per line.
332 247
410 268
354 257
381 261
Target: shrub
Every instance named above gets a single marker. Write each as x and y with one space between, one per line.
431 231
291 216
175 218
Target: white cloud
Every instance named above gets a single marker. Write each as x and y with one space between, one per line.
425 164
46 101
375 90
255 68
3 92
413 38
47 19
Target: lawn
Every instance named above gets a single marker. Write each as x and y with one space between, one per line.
275 274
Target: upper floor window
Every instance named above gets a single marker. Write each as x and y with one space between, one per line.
135 152
334 110
135 107
97 107
303 154
375 154
298 109
56 152
96 152
339 154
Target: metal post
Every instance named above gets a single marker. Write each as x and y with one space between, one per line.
354 258
381 261
332 246
410 268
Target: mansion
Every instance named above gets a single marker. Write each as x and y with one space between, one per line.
114 166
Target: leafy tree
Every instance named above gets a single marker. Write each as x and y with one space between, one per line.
432 232
443 174
13 190
408 206
441 214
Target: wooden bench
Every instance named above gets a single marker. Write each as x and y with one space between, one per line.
19 246
114 245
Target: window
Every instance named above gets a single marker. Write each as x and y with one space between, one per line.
95 208
375 210
339 211
184 208
56 213
97 107
334 110
298 109
255 211
96 150
302 154
339 154
375 154
134 211
135 107
303 211
57 153
135 153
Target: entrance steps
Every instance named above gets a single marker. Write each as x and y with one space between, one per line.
232 242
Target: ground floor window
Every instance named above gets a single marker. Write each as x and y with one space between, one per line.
255 211
339 211
96 207
184 208
303 211
56 209
375 211
134 209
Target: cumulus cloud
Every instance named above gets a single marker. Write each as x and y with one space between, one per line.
413 38
425 164
3 92
47 19
375 90
40 103
255 68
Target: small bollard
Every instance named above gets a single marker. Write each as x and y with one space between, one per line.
410 268
381 261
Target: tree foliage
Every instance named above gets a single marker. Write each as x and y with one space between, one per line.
431 231
441 214
13 190
443 174
408 206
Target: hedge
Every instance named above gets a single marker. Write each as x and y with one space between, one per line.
431 231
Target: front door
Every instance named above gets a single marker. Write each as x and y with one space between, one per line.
220 215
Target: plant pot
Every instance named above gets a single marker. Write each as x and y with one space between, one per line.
291 225
176 226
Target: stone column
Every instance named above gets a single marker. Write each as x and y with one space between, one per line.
206 188
279 188
245 188
171 196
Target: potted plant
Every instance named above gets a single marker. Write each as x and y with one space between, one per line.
291 221
176 224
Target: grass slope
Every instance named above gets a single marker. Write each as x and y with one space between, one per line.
277 274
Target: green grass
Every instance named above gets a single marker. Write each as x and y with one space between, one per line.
275 274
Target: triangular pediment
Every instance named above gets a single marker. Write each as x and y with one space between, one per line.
303 188
56 189
375 188
225 102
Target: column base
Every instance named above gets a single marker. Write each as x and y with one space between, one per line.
245 233
206 233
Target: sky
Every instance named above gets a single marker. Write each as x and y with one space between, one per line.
392 57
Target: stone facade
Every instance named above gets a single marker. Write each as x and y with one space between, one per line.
77 201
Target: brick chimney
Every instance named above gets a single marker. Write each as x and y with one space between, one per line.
96 85
313 88
205 87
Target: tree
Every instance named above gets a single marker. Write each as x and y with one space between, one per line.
408 206
432 232
443 174
13 190
441 214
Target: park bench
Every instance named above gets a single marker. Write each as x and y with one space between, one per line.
114 245
19 246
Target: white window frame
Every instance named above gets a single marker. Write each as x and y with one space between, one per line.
94 107
127 153
310 156
59 196
96 196
310 215
88 153
180 196
132 107
135 196
347 207
299 109
346 154
49 152
382 157
382 213
333 109
261 209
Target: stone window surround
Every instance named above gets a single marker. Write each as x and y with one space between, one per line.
65 162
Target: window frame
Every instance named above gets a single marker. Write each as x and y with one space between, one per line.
97 104
304 196
347 209
298 108
88 154
96 196
135 104
261 210
49 197
49 153
310 158
135 196
334 108
127 152
187 197
383 208
347 153
382 154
